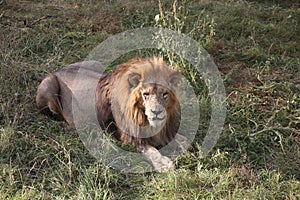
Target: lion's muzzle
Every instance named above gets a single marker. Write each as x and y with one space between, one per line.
156 114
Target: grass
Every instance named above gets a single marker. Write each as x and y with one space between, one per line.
256 47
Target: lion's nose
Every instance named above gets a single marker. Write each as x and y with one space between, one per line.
156 112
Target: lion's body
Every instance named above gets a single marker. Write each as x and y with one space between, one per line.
137 101
55 92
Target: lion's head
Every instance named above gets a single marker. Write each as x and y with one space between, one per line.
144 98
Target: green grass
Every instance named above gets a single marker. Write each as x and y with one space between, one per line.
256 47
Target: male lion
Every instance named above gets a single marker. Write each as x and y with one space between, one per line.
138 101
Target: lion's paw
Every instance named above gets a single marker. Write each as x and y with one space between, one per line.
163 164
160 163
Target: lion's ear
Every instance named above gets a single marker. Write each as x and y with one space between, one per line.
175 78
134 79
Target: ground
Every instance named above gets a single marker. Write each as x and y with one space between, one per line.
256 47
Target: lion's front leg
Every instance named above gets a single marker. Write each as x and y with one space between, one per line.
160 163
181 143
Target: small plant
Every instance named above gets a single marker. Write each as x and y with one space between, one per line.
200 26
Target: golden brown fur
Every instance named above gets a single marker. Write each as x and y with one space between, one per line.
138 102
129 99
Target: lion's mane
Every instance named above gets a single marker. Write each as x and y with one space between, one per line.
119 106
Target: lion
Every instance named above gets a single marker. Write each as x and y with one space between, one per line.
138 102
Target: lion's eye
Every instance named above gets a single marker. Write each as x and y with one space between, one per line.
166 95
146 95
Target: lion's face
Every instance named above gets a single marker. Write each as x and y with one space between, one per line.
145 94
155 98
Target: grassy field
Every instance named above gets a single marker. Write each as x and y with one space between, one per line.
256 47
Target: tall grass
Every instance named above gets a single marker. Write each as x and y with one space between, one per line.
256 48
